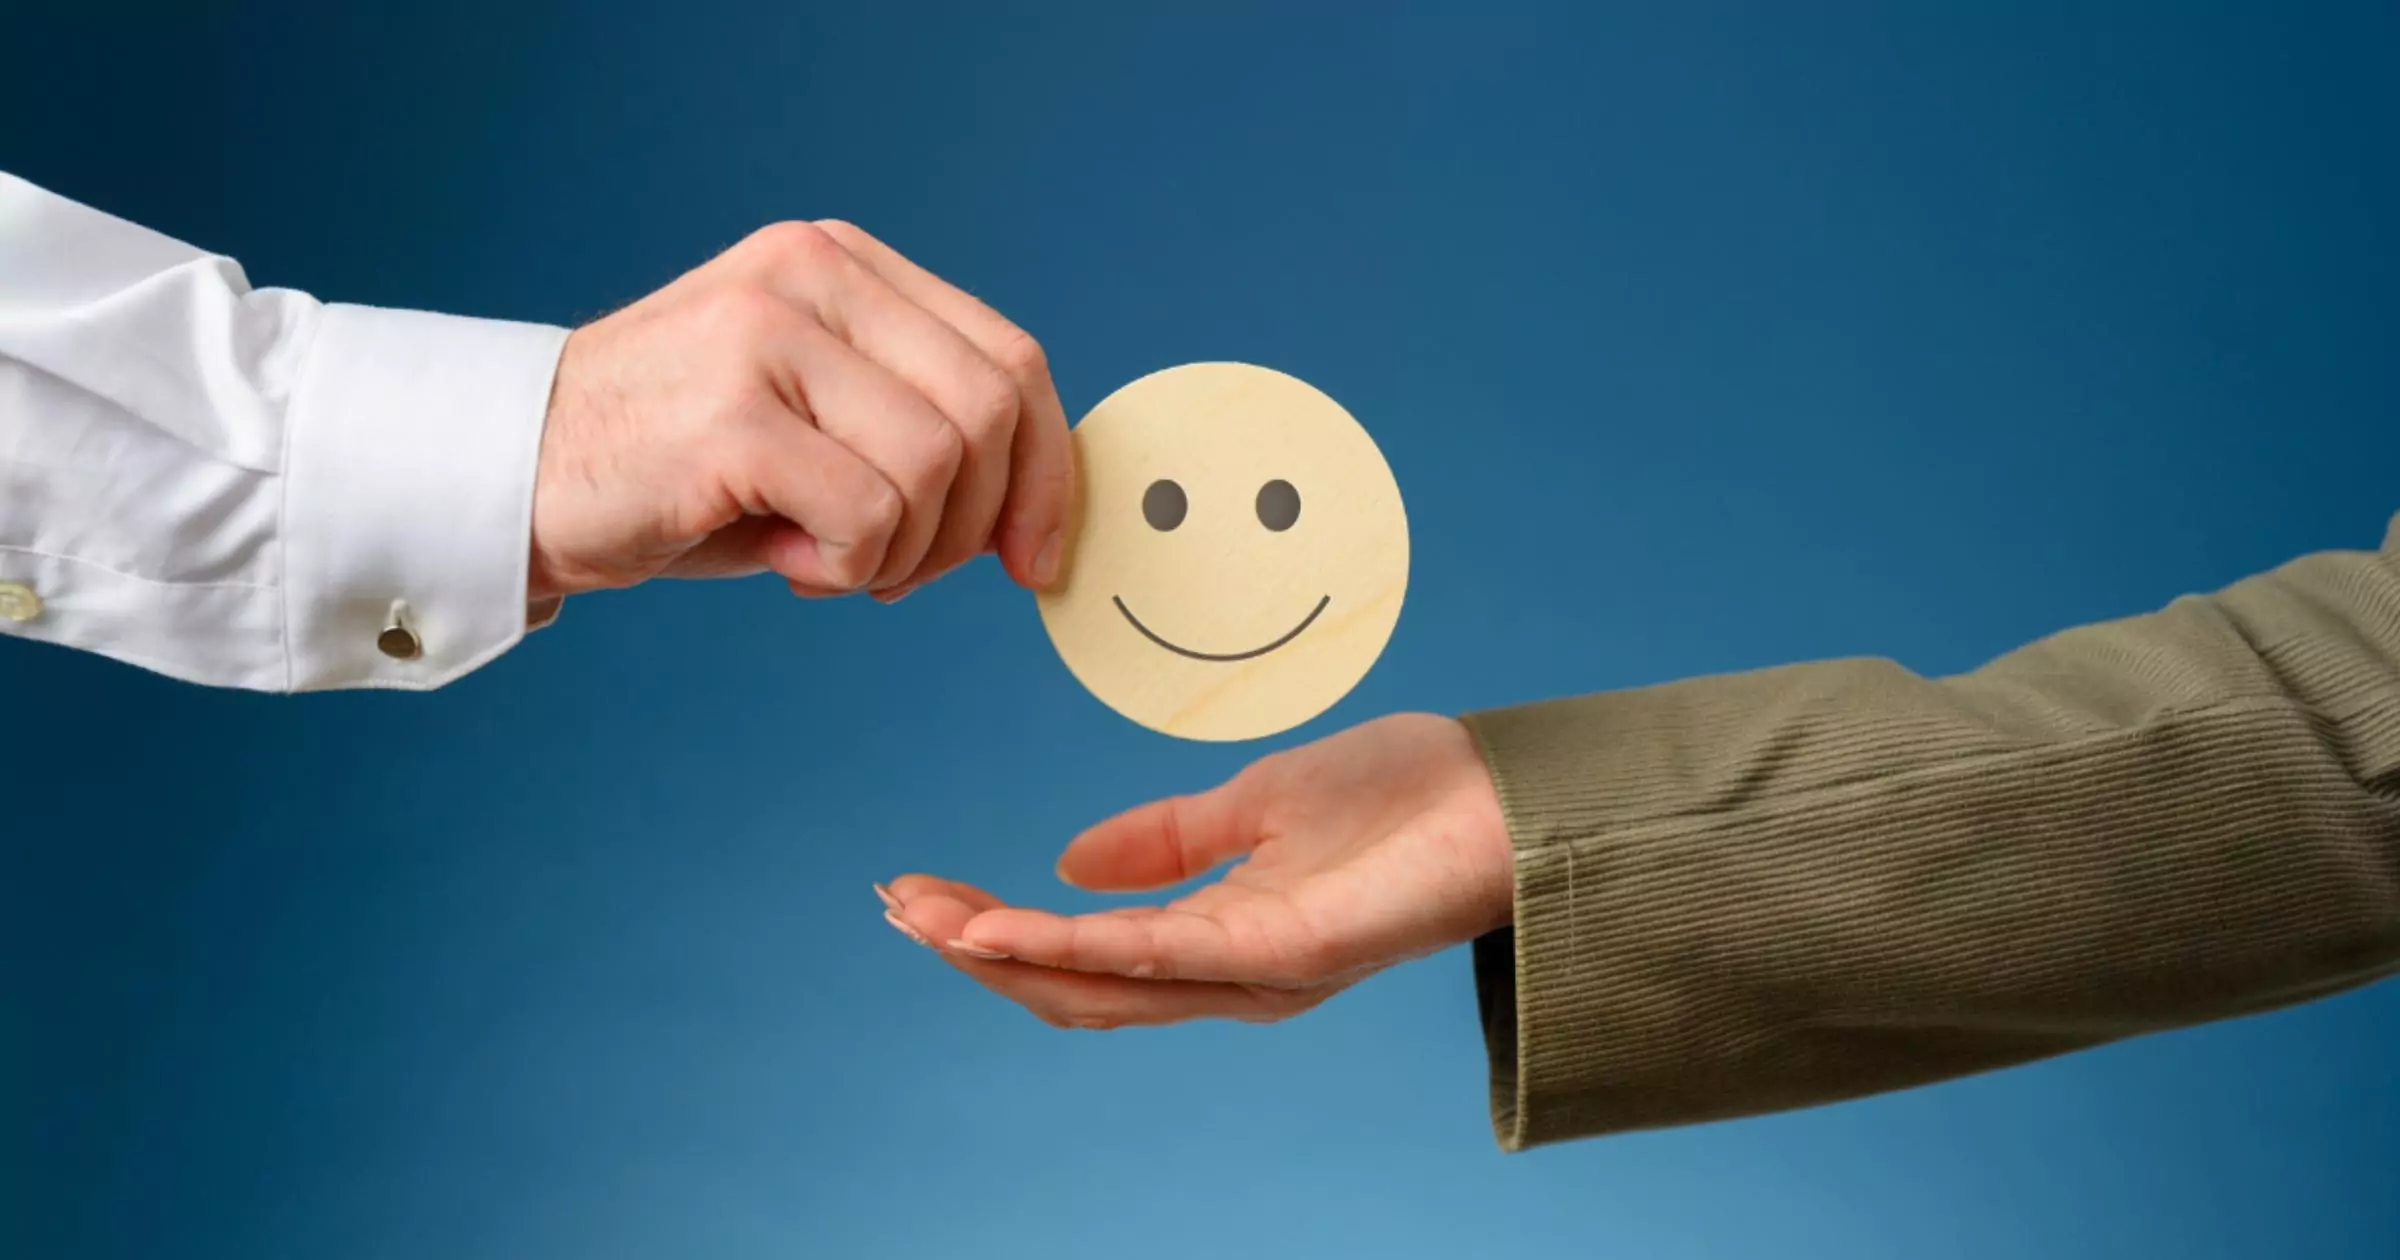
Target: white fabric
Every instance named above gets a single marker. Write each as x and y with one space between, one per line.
233 486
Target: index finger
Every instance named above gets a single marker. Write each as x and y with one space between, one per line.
1041 477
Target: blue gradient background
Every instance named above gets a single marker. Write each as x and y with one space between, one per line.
1701 337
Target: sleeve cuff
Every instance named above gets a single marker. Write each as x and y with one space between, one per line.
1518 1012
1590 1034
1686 913
408 496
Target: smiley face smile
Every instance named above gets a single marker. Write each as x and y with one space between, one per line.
1252 654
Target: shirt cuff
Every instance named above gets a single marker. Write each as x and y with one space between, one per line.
408 496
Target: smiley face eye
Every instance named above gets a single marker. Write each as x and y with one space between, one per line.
1163 505
1278 505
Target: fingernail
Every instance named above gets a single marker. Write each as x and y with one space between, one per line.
905 930
977 951
1045 562
895 595
890 902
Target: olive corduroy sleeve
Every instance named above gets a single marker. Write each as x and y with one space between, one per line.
1770 890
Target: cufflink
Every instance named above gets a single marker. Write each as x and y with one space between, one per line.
18 602
399 640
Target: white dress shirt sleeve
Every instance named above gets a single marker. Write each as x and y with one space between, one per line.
247 487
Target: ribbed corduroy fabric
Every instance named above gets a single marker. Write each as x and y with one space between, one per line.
1771 890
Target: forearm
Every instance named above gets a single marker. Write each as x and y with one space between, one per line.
1771 890
235 486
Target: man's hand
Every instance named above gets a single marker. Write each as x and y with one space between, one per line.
808 402
1370 847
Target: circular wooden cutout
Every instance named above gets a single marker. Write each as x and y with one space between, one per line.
1237 557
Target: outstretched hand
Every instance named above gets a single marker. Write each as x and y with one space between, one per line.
1367 848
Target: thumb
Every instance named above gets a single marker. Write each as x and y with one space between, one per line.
1164 842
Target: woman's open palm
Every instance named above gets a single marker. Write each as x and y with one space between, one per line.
1367 848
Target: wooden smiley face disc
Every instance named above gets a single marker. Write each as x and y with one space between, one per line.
1237 557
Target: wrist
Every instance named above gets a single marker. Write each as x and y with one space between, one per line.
562 485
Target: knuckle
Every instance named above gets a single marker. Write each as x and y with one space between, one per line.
844 231
937 456
1022 357
990 404
794 242
878 507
